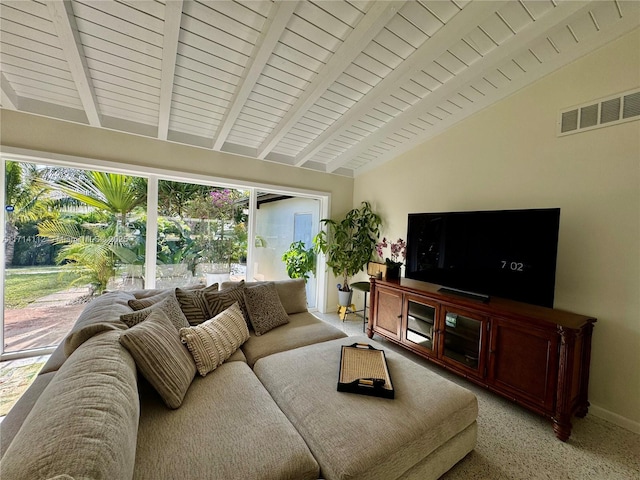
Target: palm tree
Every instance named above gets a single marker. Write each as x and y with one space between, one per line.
90 250
111 192
95 248
24 196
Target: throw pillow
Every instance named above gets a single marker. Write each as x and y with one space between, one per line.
193 303
169 305
292 293
264 307
215 340
160 356
219 301
140 303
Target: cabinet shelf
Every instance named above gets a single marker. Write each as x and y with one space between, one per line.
421 327
463 335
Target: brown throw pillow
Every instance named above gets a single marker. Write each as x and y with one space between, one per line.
219 301
264 307
169 305
215 340
193 303
292 293
140 303
160 356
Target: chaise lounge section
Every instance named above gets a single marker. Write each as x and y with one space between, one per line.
270 411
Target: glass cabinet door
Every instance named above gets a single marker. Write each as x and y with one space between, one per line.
463 337
420 325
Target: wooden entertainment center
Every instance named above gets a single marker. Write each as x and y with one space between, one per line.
538 357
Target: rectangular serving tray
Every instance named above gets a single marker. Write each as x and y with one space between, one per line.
364 370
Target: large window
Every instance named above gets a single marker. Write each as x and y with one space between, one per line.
202 234
72 233
69 234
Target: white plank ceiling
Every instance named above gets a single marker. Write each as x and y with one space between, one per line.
337 86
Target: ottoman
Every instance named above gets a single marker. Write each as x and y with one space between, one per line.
427 428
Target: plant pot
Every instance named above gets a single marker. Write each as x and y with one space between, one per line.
344 298
393 272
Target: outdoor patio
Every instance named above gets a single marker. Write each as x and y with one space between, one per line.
45 322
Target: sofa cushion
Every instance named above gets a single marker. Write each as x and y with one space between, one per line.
427 411
56 359
292 293
168 304
147 301
227 428
215 340
84 424
193 303
264 308
302 329
163 360
99 315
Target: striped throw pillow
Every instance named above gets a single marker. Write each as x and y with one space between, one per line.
215 340
193 303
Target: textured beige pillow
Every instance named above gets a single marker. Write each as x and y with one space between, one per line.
292 293
193 303
264 308
215 340
169 305
160 356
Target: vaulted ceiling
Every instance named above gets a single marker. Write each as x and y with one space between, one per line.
338 86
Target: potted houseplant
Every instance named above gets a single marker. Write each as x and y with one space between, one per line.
348 244
299 260
398 249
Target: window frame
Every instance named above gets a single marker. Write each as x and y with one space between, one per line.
153 175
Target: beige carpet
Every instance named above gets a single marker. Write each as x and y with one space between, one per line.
515 444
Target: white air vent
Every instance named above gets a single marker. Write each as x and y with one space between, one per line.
607 111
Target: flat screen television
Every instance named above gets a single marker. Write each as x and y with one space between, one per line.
504 253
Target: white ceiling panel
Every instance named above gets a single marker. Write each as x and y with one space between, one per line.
335 85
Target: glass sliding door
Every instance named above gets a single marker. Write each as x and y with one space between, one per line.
70 234
202 234
73 233
282 219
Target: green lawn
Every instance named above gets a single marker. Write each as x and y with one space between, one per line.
24 285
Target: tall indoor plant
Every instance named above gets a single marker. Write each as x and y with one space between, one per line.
348 244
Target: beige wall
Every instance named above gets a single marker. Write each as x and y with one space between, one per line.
509 156
33 132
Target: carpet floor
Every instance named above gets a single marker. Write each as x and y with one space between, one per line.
515 444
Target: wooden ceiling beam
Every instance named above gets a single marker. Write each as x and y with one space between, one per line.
430 50
64 21
490 61
366 30
9 96
171 34
274 25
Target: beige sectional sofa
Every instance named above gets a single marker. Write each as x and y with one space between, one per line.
271 411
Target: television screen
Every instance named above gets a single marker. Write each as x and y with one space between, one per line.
505 253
